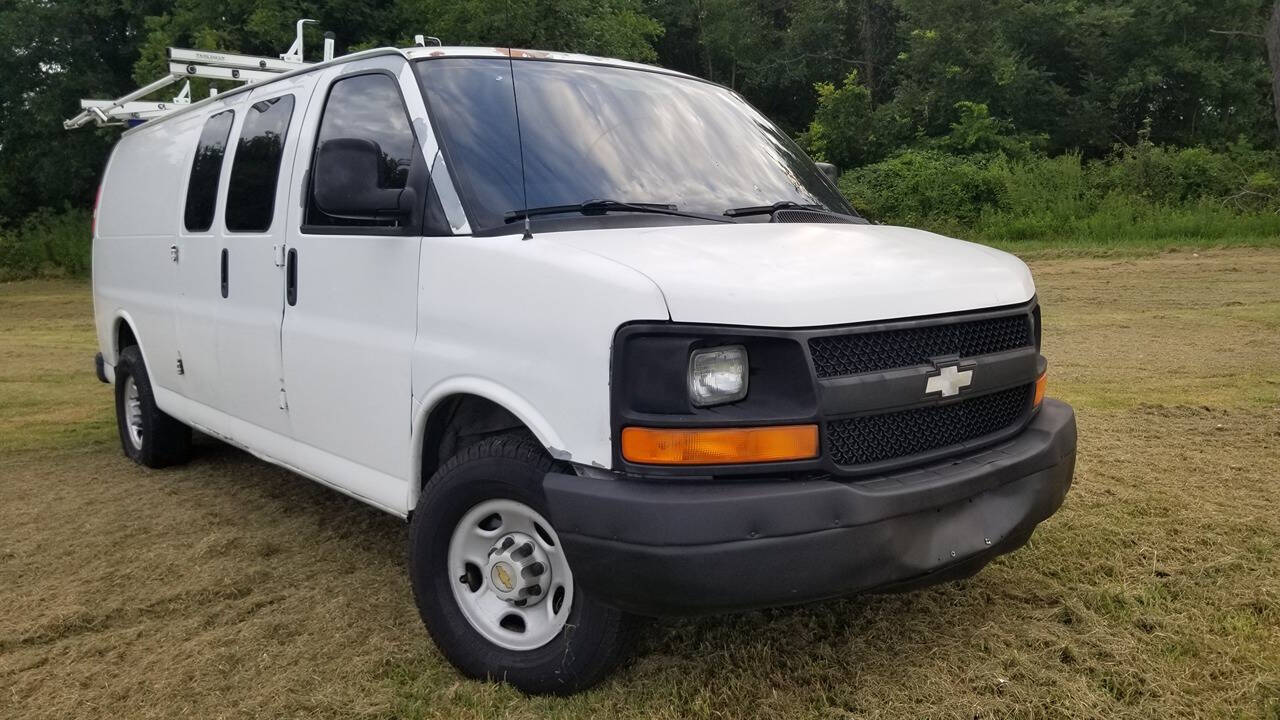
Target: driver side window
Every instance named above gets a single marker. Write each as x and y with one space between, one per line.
365 121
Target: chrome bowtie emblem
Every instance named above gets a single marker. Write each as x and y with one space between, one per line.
949 381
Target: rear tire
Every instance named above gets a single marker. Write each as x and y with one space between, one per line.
559 651
148 436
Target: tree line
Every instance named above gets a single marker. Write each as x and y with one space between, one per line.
858 82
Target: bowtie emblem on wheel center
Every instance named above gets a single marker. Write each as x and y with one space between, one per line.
502 577
949 381
519 570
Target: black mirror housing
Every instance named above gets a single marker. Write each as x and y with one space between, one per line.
347 181
831 171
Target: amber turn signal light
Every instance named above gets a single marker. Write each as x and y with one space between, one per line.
1041 383
719 446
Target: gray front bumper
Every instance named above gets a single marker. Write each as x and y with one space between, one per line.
667 547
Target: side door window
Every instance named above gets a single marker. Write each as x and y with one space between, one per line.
206 168
251 195
367 170
473 104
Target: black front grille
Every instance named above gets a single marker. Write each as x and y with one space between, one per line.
839 355
889 436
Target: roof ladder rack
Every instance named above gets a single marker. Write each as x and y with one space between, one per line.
185 64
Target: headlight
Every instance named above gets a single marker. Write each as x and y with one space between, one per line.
718 375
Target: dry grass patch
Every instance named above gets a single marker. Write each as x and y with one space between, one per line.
228 588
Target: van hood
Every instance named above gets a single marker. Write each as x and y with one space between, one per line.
808 275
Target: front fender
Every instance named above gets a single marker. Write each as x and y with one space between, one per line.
528 325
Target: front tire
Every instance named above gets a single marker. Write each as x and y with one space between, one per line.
492 583
148 436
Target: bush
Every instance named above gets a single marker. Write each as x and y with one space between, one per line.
1143 192
926 187
47 243
1171 176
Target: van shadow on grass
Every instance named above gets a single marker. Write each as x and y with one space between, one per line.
266 488
808 660
823 648
816 649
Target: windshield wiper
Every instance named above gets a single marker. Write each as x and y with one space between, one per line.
771 209
600 207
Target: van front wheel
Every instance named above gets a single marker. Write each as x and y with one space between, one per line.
492 582
149 436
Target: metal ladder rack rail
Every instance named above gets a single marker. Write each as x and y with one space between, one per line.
185 64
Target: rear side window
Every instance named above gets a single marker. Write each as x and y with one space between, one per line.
251 197
202 191
368 108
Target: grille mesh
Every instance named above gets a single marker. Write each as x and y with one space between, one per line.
875 438
839 355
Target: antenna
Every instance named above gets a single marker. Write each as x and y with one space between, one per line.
294 53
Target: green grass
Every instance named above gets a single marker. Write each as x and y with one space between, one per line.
1087 247
230 588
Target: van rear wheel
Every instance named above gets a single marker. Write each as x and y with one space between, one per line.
492 582
148 435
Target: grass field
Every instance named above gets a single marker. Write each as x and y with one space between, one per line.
229 588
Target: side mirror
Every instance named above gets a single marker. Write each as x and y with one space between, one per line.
831 171
347 180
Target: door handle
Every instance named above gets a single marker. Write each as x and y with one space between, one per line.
291 278
225 285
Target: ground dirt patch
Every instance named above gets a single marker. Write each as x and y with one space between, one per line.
229 588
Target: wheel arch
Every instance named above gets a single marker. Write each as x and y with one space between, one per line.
124 333
468 406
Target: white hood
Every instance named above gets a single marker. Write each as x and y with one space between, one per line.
806 275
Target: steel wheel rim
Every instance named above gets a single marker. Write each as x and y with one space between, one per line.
471 557
133 412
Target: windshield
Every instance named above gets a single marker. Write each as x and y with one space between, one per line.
566 133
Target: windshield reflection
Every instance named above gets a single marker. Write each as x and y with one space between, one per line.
593 132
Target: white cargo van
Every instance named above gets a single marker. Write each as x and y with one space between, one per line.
600 331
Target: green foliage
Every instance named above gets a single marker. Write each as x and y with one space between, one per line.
614 28
976 131
1140 192
1087 74
946 108
959 51
47 243
1241 177
52 53
924 187
844 129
